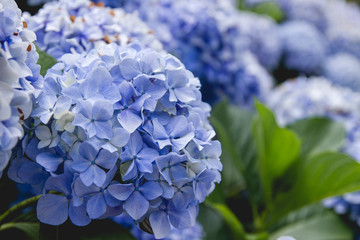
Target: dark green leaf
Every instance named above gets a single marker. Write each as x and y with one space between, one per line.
232 126
29 228
270 9
319 135
327 226
277 148
316 178
45 61
213 224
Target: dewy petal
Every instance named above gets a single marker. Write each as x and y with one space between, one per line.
121 191
150 190
52 209
160 224
136 205
129 120
96 206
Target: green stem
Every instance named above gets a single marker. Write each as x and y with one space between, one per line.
18 206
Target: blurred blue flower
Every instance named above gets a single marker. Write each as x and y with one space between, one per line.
344 70
304 47
211 38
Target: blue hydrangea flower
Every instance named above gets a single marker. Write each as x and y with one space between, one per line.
343 31
302 98
343 69
212 40
312 12
65 26
20 77
304 47
120 129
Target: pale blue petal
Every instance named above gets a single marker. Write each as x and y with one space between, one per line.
136 205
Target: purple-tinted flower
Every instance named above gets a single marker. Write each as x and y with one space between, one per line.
54 209
172 166
136 196
90 164
95 118
114 108
141 156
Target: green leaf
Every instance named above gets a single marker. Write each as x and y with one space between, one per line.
316 178
29 228
319 135
230 219
213 224
270 9
45 61
327 226
238 149
277 148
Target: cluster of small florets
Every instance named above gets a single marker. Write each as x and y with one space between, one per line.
304 47
302 98
211 39
316 33
19 79
120 128
78 26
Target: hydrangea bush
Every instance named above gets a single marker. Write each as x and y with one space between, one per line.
20 78
120 128
78 26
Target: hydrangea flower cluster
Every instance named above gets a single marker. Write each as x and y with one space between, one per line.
343 69
304 47
120 128
78 26
19 79
211 39
195 232
302 98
